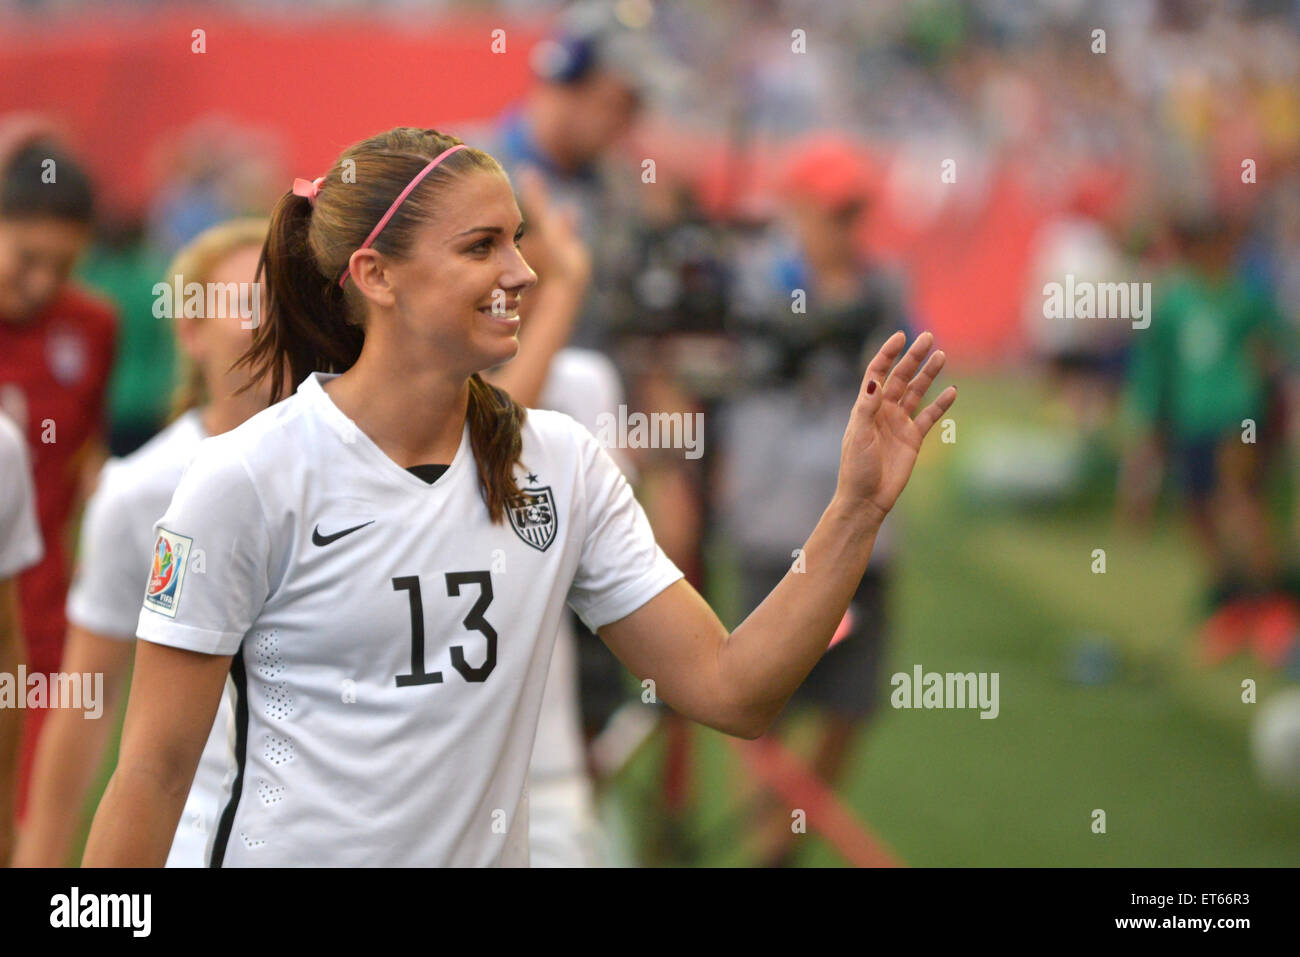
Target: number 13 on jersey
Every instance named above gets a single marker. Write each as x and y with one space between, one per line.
474 621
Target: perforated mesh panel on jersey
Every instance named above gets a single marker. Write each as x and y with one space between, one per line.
269 664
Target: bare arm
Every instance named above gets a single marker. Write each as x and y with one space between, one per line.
173 702
11 652
87 463
739 682
70 750
547 328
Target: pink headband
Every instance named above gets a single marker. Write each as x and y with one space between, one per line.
379 226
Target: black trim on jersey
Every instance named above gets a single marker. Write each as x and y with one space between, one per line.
227 821
429 473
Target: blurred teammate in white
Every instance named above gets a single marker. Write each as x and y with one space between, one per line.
20 549
114 555
388 635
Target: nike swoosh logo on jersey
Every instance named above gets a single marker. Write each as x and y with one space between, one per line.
318 539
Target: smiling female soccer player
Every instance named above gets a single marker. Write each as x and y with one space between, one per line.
389 637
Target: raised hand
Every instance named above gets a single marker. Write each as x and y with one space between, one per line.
551 244
883 439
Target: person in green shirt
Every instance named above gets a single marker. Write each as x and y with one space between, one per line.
124 267
1200 395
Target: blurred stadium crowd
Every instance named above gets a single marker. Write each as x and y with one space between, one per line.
920 165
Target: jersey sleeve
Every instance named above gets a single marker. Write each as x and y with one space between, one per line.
211 558
105 593
20 536
622 566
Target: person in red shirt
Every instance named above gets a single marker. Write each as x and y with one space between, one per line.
56 352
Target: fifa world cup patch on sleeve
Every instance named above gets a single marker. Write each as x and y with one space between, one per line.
171 554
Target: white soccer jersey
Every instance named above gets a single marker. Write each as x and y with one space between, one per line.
113 563
390 643
20 536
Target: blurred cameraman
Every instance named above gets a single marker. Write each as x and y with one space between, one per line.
784 429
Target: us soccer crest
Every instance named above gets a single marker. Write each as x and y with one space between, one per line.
534 518
65 351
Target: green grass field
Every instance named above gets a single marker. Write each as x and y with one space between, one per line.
1162 749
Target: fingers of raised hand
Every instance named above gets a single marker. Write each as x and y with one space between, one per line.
884 359
935 410
907 366
917 388
872 384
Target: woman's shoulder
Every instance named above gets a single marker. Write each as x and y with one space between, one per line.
258 447
550 427
560 439
157 462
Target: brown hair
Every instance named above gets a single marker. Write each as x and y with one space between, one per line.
312 325
28 141
196 262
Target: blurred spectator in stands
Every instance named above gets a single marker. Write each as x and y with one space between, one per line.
124 266
215 170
